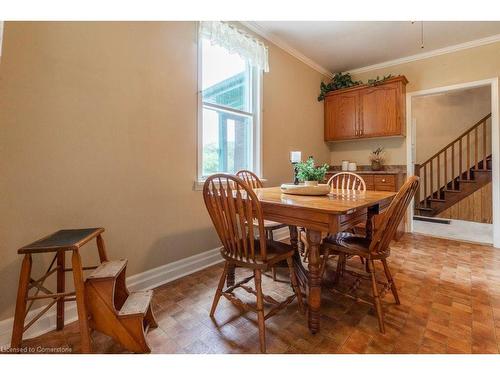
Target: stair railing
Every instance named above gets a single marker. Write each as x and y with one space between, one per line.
440 171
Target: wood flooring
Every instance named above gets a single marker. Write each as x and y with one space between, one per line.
450 303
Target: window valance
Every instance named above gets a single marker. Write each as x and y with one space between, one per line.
236 41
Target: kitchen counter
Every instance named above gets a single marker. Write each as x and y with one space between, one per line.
365 169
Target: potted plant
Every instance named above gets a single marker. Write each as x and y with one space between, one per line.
377 159
308 173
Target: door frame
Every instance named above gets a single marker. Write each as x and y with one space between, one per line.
495 144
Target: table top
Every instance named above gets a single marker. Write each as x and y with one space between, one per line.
65 239
336 203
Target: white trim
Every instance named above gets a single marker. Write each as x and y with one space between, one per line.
198 184
145 280
256 115
426 55
256 28
495 143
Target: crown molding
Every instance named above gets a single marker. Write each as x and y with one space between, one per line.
426 55
256 28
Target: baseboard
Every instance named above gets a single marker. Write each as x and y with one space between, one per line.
145 280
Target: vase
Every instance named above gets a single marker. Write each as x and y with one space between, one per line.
376 165
311 183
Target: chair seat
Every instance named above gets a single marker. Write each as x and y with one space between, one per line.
276 252
270 225
348 243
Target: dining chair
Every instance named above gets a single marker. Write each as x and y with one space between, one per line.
385 225
346 182
254 182
232 205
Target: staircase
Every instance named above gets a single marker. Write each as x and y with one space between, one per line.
456 171
115 311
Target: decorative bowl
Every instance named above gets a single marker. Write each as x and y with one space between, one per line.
320 189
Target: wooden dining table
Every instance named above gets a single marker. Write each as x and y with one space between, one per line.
331 213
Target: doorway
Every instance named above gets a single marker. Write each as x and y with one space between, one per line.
453 143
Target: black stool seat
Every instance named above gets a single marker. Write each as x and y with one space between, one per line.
65 239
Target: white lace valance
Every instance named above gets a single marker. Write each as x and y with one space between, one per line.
236 41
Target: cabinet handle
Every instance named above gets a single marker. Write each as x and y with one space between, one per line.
383 180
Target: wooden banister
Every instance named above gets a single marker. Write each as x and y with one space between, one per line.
447 154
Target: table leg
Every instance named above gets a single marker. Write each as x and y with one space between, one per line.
22 294
373 210
314 296
230 278
61 281
80 302
297 261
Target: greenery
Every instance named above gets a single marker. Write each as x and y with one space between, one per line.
339 81
307 171
344 80
378 80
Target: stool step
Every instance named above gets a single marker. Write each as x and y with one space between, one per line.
136 303
108 270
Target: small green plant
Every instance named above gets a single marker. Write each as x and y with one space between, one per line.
307 171
344 80
339 81
378 80
377 159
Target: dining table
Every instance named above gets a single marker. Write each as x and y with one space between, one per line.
318 215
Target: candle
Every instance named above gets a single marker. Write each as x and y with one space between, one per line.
295 156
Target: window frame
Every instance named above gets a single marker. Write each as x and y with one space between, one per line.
256 98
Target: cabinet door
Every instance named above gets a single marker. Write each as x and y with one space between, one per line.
341 116
380 113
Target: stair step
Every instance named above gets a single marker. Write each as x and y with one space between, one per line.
480 170
461 180
108 270
436 200
425 209
136 303
452 190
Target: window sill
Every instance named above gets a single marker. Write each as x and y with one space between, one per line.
198 184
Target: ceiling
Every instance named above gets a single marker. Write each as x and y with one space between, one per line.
346 45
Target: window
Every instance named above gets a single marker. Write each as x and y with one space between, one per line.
229 112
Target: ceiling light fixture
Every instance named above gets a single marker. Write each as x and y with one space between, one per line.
422 45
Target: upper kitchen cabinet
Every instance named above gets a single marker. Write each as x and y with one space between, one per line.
366 111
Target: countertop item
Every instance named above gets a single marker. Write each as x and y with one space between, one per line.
320 189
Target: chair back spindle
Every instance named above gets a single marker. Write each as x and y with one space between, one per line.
393 215
237 217
347 181
250 179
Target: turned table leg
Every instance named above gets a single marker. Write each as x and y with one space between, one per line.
80 302
230 278
314 296
297 261
373 210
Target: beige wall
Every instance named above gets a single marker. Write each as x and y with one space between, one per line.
98 128
463 66
442 118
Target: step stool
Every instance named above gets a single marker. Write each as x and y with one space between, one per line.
115 311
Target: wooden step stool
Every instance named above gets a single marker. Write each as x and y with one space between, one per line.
58 243
115 311
111 308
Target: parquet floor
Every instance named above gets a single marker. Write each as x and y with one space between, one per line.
450 303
